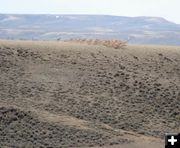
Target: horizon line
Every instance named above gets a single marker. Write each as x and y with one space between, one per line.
88 14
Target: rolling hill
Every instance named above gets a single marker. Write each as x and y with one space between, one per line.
146 30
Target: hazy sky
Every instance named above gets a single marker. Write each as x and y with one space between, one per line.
169 9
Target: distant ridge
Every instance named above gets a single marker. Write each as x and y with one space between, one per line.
139 30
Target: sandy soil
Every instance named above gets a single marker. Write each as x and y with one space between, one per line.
77 95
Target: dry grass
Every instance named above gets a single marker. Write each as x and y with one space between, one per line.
101 91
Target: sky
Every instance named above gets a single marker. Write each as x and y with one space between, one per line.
168 9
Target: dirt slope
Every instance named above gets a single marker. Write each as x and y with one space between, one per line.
77 95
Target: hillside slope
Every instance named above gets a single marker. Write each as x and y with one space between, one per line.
72 95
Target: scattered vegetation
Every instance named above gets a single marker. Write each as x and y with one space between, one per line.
117 44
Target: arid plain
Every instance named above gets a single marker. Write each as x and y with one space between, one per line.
63 94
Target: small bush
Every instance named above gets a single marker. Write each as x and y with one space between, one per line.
117 44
